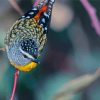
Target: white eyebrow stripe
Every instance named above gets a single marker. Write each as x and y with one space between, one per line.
25 53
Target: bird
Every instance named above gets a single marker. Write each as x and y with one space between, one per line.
25 40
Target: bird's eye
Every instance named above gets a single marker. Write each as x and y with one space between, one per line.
25 56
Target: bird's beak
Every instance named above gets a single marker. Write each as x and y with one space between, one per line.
36 61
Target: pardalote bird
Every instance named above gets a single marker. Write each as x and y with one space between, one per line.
27 37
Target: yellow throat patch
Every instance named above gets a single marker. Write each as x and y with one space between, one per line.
26 67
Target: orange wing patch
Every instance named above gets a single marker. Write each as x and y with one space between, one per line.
43 9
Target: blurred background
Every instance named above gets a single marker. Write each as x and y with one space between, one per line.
72 50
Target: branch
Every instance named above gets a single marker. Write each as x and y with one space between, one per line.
35 2
17 8
76 85
92 14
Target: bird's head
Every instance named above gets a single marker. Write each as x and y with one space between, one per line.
28 49
24 56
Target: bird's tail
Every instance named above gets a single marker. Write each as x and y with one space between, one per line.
50 6
42 3
46 16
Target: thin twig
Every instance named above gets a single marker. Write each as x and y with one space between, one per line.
16 6
92 14
72 87
35 2
15 83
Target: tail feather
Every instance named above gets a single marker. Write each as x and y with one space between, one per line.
35 9
46 16
50 6
42 3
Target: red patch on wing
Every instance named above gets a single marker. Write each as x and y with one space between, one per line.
43 9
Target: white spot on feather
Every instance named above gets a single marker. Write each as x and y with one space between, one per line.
28 17
31 13
43 20
46 15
